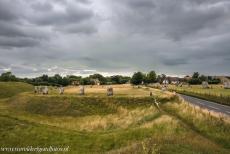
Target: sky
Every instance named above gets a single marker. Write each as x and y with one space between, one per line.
82 37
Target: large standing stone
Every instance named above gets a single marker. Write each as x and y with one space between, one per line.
82 90
110 91
39 90
35 89
205 84
226 85
45 90
61 90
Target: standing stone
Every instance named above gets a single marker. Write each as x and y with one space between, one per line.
61 90
39 90
45 90
82 90
151 94
163 88
205 84
35 89
226 85
110 91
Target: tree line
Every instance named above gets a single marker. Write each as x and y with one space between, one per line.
136 79
198 79
58 80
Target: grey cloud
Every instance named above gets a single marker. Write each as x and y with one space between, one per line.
175 19
8 11
175 37
28 23
9 29
18 42
42 7
84 28
70 15
145 4
174 62
76 1
84 1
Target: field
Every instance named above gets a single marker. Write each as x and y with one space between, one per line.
215 93
129 122
8 89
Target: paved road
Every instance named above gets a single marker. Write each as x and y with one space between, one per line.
207 104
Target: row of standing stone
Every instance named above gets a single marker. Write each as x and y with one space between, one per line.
109 91
45 90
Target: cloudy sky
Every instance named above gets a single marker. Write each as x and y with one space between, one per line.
81 37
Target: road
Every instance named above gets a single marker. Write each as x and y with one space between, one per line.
207 104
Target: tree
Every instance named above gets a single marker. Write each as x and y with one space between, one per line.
124 79
100 77
137 78
196 79
203 78
65 81
151 77
195 75
161 78
8 76
57 79
116 79
45 77
85 81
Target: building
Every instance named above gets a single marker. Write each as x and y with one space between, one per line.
173 80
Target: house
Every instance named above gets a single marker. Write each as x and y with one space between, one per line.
187 78
174 80
165 82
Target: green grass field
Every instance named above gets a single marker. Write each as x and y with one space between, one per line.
129 122
8 89
215 93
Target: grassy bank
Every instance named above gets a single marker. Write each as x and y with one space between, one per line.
215 93
225 100
120 124
9 89
201 121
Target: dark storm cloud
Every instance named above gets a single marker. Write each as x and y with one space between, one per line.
10 30
176 19
83 28
174 62
69 15
140 4
17 42
8 11
86 36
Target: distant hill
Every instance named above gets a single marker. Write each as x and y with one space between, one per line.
9 89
